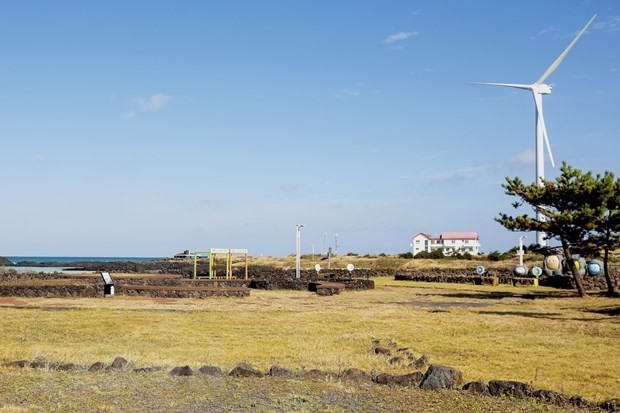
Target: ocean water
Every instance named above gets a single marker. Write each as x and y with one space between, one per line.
39 260
67 269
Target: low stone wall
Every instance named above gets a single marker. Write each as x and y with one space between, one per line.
50 291
590 283
469 276
181 292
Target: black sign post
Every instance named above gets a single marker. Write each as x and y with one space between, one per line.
108 285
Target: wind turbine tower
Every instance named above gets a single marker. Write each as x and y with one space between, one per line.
539 89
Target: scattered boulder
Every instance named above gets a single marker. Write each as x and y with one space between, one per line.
395 360
579 401
382 350
612 405
151 369
245 370
18 363
277 371
356 376
411 380
315 374
182 371
98 366
439 377
551 396
510 388
211 371
421 362
68 367
38 363
119 363
477 387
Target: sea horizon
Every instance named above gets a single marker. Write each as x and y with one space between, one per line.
65 259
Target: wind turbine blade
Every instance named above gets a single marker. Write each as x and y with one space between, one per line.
541 119
564 53
526 87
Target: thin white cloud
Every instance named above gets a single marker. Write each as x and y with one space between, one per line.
399 36
346 93
611 24
527 157
150 103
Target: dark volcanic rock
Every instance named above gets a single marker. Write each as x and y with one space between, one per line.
382 350
421 362
38 363
68 367
19 363
120 363
551 396
245 370
439 377
5 261
612 405
356 376
182 371
395 360
412 380
477 387
98 366
510 388
278 371
151 369
211 371
315 374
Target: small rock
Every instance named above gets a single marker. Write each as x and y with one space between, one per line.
382 350
612 405
119 363
98 366
315 374
151 369
356 376
421 362
579 401
439 377
395 360
211 371
182 371
510 388
38 363
278 371
19 363
245 370
551 396
477 387
68 367
404 350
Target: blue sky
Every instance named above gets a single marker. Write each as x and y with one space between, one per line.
146 128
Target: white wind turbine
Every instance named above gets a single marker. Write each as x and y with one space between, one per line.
539 89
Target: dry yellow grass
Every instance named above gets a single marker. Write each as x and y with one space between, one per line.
560 342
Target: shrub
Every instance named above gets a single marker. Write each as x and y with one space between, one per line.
408 255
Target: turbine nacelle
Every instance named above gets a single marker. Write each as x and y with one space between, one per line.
543 89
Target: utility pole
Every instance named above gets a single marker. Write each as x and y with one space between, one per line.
336 245
298 228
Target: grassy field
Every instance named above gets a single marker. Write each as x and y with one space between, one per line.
545 337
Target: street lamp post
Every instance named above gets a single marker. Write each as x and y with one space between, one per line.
297 250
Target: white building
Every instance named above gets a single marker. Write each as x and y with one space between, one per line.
448 242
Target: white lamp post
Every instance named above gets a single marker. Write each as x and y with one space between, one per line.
298 247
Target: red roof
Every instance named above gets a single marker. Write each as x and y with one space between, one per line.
451 235
459 235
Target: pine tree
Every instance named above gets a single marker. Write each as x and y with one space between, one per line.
570 208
